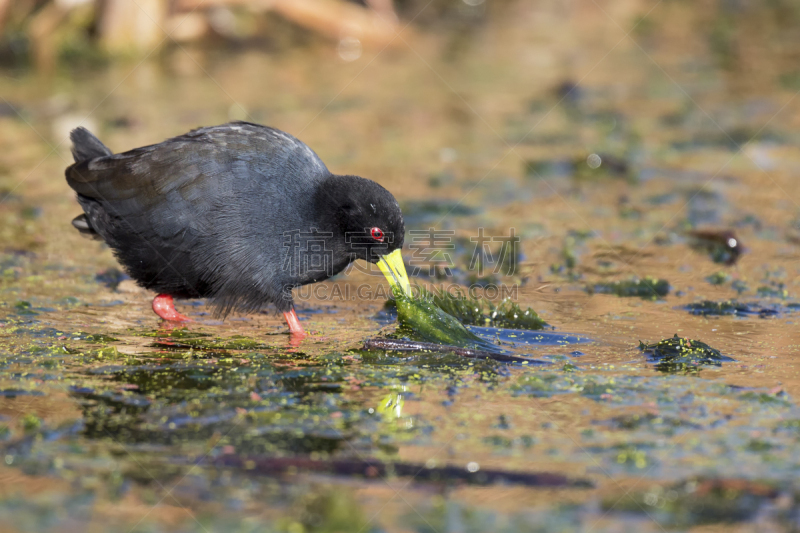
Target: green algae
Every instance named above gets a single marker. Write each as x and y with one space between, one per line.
263 410
764 398
25 308
648 288
176 333
595 167
231 343
594 387
98 338
773 291
680 353
698 501
569 257
482 312
732 307
719 278
440 317
633 456
325 511
668 425
708 307
31 423
421 319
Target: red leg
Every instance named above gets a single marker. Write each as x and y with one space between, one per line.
294 323
165 308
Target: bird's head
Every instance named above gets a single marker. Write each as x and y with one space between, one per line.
369 220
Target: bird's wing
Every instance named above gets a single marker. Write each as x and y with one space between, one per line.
174 183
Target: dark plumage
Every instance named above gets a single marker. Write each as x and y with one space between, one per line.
226 212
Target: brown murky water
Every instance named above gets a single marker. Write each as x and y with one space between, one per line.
108 423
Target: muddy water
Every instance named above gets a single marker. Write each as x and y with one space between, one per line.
110 421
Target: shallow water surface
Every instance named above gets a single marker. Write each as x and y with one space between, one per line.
603 152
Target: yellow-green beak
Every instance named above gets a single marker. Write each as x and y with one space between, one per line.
395 271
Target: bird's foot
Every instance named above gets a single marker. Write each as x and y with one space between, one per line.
296 339
165 308
295 329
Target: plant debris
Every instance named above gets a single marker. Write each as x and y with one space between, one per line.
401 345
722 246
731 307
648 288
678 353
718 278
421 319
701 501
475 312
369 468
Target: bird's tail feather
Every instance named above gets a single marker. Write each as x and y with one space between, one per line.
86 146
82 224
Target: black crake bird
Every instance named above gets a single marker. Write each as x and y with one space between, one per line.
238 213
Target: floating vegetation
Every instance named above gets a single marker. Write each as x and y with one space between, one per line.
732 307
662 199
603 166
569 256
235 342
740 286
773 291
777 398
648 288
545 169
718 278
475 312
678 353
649 421
589 168
31 422
722 246
509 314
421 319
698 502
481 312
401 345
470 311
24 308
626 210
472 474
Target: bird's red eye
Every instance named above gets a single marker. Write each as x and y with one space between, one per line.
377 234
